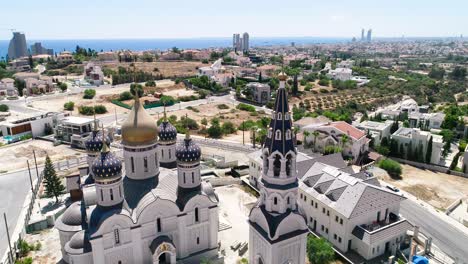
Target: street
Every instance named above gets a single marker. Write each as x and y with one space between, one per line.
447 237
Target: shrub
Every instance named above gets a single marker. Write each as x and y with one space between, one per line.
86 110
319 250
69 106
100 109
63 87
4 108
228 128
322 90
188 98
246 107
392 167
215 130
127 95
89 94
193 109
324 82
223 106
167 100
331 150
150 83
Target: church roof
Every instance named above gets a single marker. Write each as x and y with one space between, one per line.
188 150
72 219
167 132
79 243
281 122
94 141
106 165
139 128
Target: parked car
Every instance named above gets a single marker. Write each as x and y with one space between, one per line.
395 189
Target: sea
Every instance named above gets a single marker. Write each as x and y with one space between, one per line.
164 44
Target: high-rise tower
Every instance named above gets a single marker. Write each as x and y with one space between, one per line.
362 34
369 35
245 42
277 230
17 47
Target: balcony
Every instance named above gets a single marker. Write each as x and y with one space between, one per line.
380 231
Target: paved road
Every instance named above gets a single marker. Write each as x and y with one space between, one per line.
447 237
14 188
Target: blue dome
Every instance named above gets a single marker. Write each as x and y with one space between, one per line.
167 132
94 141
188 151
106 166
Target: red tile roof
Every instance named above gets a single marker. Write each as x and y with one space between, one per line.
348 129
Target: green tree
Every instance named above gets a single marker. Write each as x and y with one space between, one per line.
52 183
89 94
315 134
392 167
4 108
215 130
295 86
138 87
319 250
20 85
394 126
69 106
63 86
429 151
458 73
125 96
228 128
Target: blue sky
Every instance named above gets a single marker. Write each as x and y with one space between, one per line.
103 19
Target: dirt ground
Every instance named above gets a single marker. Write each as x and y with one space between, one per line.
14 157
166 68
105 95
438 189
50 252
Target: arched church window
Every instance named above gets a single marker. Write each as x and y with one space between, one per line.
156 159
170 154
196 214
162 153
193 177
275 200
288 200
120 191
184 176
145 163
278 134
288 134
116 236
279 116
288 164
111 192
286 116
158 224
277 166
102 195
132 164
269 133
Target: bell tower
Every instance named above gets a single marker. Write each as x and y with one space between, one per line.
277 230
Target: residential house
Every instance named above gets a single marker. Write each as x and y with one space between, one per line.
376 130
94 74
416 140
108 56
34 126
352 210
343 74
216 72
7 87
74 130
426 121
19 65
353 141
65 57
39 86
261 92
170 56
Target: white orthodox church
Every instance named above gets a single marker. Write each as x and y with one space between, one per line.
142 211
278 231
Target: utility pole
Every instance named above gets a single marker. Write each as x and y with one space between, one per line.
8 237
30 178
243 132
35 161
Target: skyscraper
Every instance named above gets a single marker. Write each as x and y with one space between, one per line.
369 35
17 47
37 49
362 35
245 42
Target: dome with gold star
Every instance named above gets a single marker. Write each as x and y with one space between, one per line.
106 166
139 128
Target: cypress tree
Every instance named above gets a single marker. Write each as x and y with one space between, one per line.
52 183
429 151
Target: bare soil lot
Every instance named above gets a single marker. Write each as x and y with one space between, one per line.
438 189
166 68
14 157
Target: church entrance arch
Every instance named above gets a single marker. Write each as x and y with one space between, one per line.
164 251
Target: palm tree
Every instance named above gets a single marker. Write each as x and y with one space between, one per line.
315 134
306 134
344 141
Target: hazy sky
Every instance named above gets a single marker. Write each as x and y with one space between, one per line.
98 19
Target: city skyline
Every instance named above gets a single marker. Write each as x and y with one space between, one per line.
143 19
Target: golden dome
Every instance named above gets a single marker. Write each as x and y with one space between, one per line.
139 128
282 76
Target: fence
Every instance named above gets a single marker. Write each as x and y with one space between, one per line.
59 165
